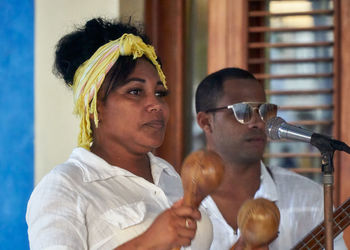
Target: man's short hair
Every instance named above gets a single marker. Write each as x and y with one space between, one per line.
210 88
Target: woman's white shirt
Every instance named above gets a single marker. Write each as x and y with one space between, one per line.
85 203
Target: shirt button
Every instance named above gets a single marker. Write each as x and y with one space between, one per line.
155 192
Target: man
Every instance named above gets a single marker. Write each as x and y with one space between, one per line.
232 110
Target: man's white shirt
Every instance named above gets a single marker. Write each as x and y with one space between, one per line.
299 200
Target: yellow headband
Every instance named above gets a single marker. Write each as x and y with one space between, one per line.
90 75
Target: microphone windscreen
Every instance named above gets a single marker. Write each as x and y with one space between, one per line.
272 126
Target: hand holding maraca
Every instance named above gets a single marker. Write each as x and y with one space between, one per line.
201 174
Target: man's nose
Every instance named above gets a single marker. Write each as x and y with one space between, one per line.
256 120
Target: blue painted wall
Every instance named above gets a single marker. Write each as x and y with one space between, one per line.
17 119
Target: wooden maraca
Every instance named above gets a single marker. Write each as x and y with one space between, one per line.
201 174
258 221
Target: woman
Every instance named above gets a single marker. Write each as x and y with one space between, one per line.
113 192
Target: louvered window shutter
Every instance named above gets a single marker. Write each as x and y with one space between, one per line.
291 51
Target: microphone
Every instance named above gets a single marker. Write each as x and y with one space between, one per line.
277 128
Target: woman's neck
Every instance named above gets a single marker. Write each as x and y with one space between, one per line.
136 163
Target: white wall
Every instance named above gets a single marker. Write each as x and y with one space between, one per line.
133 9
56 128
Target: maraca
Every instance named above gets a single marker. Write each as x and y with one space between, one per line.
258 221
201 174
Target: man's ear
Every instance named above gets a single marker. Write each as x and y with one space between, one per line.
204 121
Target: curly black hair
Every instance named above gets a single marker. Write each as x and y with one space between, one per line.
78 46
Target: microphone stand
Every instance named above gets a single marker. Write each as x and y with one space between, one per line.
277 128
328 181
327 146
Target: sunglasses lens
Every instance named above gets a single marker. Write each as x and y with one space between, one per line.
243 112
267 111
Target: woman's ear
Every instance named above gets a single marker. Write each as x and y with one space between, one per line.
204 121
99 109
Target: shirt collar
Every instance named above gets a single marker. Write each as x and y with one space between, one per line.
158 166
267 189
95 168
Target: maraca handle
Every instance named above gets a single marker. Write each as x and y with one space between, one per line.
188 201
